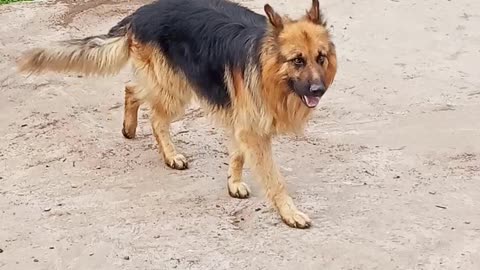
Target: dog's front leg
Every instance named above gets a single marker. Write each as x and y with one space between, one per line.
258 154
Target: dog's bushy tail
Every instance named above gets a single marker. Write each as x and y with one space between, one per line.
97 55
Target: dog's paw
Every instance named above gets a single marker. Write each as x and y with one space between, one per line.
128 133
296 219
238 190
177 162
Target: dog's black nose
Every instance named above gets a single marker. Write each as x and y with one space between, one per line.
317 88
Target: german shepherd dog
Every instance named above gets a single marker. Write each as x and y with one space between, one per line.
257 76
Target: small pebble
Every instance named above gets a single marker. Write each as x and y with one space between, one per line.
35 260
51 247
47 209
91 254
466 222
432 192
1 250
126 258
258 209
396 177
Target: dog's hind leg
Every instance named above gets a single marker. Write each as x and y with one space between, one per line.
130 116
160 120
167 94
236 187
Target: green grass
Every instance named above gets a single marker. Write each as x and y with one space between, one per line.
12 1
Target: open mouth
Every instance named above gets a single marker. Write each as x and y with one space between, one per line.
311 101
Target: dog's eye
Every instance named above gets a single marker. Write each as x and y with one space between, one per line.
299 61
321 59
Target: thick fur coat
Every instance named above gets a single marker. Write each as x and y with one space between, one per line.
256 75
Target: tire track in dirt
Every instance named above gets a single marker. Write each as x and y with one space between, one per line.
77 7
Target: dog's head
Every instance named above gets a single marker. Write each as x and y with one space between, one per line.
306 57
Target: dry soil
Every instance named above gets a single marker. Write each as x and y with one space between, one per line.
389 167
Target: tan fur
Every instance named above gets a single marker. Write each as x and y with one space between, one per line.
130 113
166 92
98 56
262 103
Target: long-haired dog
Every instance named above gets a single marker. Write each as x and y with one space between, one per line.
258 76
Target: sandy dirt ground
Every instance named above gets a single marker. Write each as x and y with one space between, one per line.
388 169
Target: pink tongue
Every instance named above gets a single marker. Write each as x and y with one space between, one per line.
312 101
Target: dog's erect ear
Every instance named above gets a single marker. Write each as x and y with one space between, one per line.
274 18
314 14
